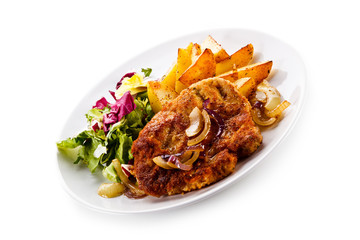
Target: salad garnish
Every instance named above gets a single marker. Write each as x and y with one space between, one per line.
112 127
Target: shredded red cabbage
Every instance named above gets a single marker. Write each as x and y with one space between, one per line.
95 127
119 109
110 118
129 75
101 103
124 105
112 93
216 116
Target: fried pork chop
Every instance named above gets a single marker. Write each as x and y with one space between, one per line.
165 134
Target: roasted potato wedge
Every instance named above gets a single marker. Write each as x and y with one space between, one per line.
240 58
209 59
195 52
204 67
257 71
219 52
246 86
179 86
159 94
183 60
170 77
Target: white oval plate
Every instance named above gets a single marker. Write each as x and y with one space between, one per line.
288 75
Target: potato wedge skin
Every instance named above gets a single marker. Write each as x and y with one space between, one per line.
240 58
179 86
246 86
183 60
186 56
219 52
195 52
170 77
257 71
159 95
204 67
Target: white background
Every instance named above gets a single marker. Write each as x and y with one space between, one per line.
53 52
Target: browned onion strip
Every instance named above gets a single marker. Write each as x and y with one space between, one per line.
256 115
161 162
278 110
173 162
196 122
125 180
272 95
127 169
186 156
193 158
205 131
176 163
110 190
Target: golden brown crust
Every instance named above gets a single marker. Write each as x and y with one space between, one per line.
165 134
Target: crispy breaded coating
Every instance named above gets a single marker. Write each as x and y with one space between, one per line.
165 134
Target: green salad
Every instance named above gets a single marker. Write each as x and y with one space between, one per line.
112 127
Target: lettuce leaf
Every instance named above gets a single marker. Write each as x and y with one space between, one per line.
97 148
110 173
146 71
85 147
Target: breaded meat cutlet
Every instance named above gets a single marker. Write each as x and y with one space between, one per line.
165 134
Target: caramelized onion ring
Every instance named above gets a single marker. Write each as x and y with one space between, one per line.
205 131
256 115
176 163
193 158
272 95
196 123
186 161
161 162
